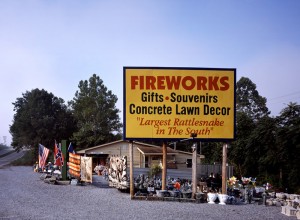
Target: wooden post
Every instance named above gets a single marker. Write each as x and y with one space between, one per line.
194 170
164 169
64 152
224 169
131 170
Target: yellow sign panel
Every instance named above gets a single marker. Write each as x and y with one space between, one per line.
173 103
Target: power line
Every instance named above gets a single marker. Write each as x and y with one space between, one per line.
297 99
283 101
287 95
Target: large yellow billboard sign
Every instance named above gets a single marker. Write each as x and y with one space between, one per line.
173 103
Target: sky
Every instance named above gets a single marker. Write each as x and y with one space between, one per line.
52 45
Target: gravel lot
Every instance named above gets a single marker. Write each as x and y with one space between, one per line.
24 196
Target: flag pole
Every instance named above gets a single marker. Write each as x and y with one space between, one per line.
64 152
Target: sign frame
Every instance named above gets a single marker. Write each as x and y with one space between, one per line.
127 69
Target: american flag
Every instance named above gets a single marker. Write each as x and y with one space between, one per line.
43 155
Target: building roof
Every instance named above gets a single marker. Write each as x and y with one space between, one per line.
146 149
98 146
143 148
154 150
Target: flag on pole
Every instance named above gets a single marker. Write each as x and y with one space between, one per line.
58 156
43 155
62 155
71 149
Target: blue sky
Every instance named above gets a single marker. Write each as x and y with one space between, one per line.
52 45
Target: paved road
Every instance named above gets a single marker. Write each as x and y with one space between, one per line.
10 157
24 196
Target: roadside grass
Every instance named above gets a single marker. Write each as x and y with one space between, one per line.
26 160
7 153
3 147
5 150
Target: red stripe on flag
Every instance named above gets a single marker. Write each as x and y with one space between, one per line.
43 155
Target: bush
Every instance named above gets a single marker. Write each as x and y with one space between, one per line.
26 160
155 170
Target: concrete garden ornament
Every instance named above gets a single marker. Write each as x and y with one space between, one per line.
222 198
117 172
211 197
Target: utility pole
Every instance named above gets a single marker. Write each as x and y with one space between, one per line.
164 168
194 170
4 139
224 169
194 165
131 179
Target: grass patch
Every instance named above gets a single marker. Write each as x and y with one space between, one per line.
2 146
26 160
7 153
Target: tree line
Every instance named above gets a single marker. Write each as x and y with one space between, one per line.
90 119
265 147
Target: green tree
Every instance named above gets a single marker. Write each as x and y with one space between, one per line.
261 149
237 152
251 107
40 118
212 152
288 142
94 107
249 101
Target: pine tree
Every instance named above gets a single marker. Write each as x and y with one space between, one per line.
94 108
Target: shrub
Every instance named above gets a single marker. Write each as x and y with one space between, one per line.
155 170
26 160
